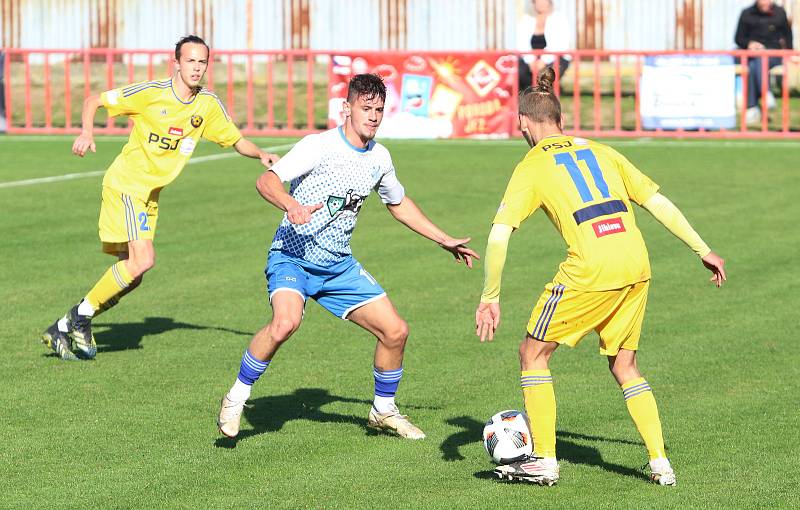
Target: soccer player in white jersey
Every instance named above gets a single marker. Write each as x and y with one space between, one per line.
331 175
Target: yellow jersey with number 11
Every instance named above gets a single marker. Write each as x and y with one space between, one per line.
585 188
165 133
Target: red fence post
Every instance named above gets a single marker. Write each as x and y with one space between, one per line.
48 113
309 91
67 93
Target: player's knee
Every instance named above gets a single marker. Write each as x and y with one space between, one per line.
534 354
282 328
140 264
395 338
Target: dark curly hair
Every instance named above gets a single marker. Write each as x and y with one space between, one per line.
368 85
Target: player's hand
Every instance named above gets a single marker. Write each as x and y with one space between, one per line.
755 45
716 265
301 214
487 319
85 142
268 159
460 251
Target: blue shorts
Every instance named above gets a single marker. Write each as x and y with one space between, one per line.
340 288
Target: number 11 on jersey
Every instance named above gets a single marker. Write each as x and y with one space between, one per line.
588 157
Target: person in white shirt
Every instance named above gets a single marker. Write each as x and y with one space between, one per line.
546 30
331 175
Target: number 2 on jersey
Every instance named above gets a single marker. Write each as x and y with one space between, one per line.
587 156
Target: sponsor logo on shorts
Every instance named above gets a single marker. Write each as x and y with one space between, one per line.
608 227
176 131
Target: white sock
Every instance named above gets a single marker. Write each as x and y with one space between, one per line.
240 391
62 325
660 465
85 309
384 404
550 462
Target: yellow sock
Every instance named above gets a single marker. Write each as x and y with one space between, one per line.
540 405
642 407
114 281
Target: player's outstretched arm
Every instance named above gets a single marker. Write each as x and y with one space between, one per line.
85 141
671 217
487 315
407 213
270 187
247 148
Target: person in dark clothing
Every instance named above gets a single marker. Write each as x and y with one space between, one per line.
762 26
546 29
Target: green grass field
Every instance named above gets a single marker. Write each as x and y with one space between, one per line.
136 427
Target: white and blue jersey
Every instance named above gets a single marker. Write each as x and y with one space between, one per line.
325 168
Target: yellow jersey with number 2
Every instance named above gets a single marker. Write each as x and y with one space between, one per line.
585 188
165 133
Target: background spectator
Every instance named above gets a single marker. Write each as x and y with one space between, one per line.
546 30
763 25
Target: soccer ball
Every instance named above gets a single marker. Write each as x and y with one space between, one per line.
507 437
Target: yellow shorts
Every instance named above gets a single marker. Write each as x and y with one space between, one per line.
125 218
565 316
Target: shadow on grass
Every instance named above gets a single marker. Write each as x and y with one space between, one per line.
128 335
472 432
270 414
574 453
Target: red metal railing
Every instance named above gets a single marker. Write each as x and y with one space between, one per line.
267 95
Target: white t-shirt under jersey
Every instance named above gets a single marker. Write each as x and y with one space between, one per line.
325 168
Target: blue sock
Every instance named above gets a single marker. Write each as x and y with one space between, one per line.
251 368
386 381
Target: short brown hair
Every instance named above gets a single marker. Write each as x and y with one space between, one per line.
189 39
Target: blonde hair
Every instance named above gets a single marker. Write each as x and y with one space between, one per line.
539 103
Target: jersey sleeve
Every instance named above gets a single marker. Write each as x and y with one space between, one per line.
300 160
639 186
388 187
520 199
220 128
126 100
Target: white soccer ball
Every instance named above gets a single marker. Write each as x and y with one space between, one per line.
507 437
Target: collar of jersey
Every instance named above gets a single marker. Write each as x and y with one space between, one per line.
172 88
369 146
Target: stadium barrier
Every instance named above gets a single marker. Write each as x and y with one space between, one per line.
290 92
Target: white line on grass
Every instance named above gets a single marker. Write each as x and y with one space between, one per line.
640 142
95 173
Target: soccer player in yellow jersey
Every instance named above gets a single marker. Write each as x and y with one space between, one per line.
169 118
586 190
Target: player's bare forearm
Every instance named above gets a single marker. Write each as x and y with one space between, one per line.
247 148
85 141
271 188
407 213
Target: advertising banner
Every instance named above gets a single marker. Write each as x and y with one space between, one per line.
453 96
688 92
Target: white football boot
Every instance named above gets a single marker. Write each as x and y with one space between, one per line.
230 415
395 422
530 469
661 472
